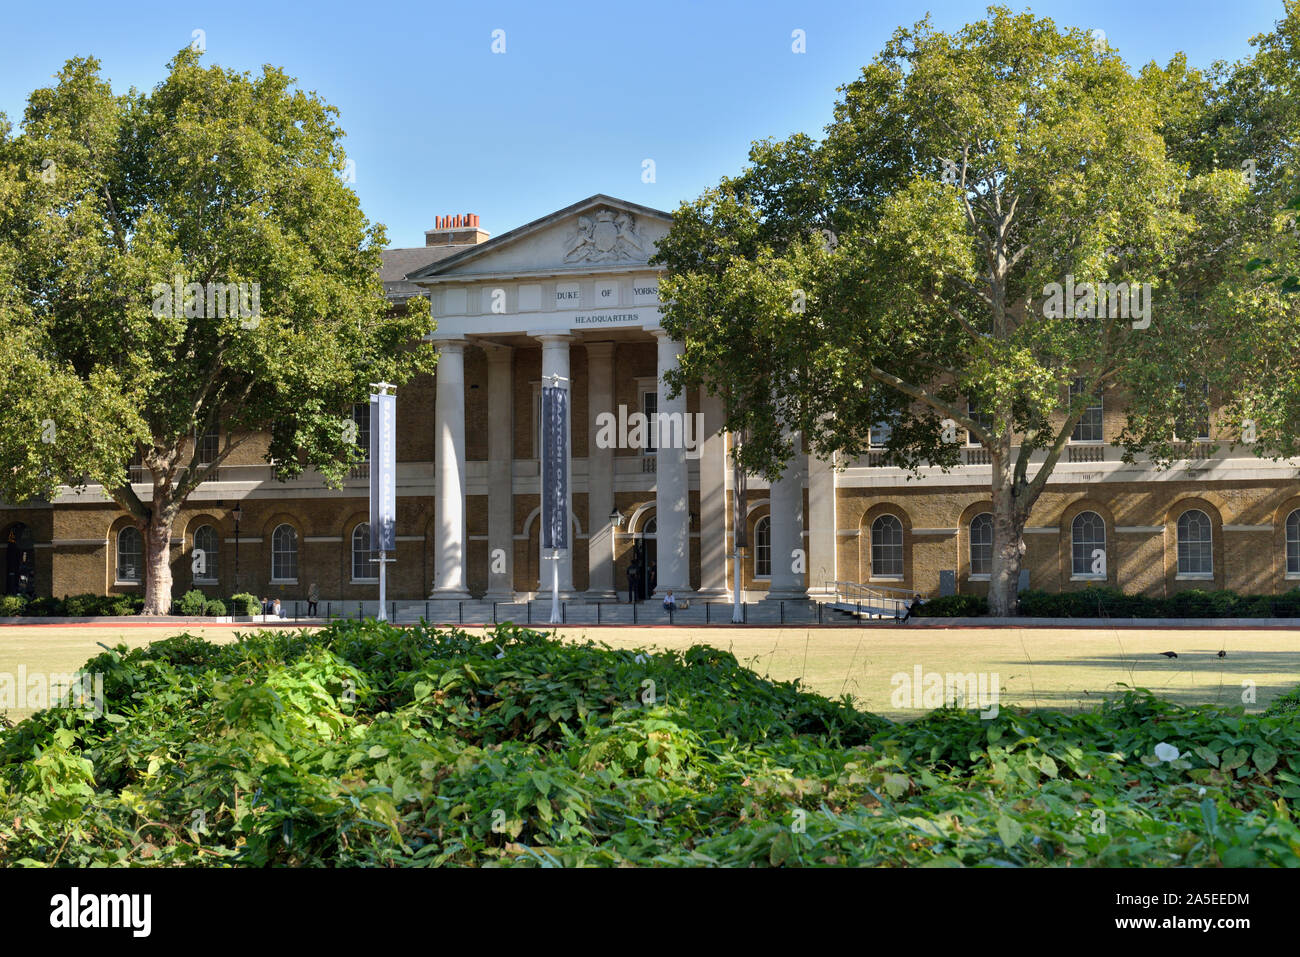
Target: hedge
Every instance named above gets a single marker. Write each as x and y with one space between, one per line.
1100 602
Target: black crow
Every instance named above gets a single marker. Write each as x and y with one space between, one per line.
1223 654
1169 654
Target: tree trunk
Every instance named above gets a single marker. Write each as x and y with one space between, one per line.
157 563
1010 512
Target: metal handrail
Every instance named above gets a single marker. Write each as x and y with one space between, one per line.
880 600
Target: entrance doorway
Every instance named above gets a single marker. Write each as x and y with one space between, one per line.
20 561
646 551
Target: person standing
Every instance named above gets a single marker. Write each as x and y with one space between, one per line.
313 599
653 582
633 577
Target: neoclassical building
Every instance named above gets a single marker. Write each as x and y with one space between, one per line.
571 299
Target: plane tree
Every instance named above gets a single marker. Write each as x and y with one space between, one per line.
177 262
994 228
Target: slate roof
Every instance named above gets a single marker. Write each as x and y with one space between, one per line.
397 263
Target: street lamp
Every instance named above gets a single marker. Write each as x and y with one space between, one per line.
237 513
615 521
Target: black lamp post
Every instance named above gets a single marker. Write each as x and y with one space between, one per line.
615 523
237 513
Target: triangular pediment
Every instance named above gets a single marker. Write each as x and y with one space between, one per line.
597 234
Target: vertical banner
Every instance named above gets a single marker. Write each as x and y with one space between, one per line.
555 479
383 473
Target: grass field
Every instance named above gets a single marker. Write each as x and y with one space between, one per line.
1038 667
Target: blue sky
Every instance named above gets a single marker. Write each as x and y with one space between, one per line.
585 91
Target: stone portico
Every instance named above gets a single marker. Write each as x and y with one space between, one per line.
572 296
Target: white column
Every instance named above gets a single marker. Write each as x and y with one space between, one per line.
555 361
713 500
672 489
449 463
501 442
788 549
822 533
600 473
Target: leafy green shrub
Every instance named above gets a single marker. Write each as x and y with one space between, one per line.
191 603
121 605
245 604
367 745
81 606
215 607
1105 602
1192 603
46 607
13 606
1288 703
953 606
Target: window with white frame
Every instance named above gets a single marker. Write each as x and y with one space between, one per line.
130 555
284 554
887 547
1293 543
1089 428
363 569
981 545
763 547
1195 544
881 433
209 444
203 554
1087 534
983 419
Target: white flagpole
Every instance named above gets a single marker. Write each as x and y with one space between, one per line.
382 616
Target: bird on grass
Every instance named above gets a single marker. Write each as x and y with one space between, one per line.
1222 654
1170 654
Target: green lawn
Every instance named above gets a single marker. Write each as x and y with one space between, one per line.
1060 668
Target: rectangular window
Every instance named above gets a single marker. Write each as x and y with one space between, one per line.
881 433
983 419
361 417
1089 427
209 444
1197 426
649 407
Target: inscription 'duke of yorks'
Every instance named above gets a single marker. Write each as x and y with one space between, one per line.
608 236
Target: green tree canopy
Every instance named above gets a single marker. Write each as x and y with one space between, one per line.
179 260
998 224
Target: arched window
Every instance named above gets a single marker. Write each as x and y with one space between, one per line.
130 555
203 554
763 547
1293 543
284 553
1087 534
363 569
981 544
1195 543
651 526
887 547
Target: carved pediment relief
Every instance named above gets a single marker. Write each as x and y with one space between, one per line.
605 235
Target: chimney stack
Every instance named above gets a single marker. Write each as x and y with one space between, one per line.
460 229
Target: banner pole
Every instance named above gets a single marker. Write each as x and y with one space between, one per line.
383 581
